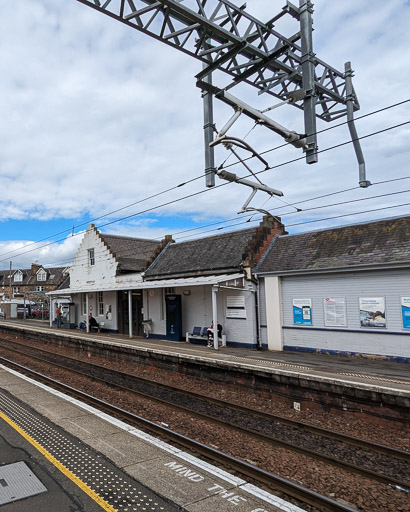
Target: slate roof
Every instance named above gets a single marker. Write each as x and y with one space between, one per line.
54 277
382 242
131 253
5 279
211 255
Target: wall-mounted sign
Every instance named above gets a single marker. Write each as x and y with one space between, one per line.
235 307
302 311
237 301
335 311
372 312
235 313
405 312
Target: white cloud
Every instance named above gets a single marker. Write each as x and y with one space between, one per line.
96 116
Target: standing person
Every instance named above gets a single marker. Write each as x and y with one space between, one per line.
58 316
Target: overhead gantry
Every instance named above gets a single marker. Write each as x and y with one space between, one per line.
225 38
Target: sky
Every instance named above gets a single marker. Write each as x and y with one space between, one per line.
96 118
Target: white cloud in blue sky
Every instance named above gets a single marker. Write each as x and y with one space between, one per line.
96 116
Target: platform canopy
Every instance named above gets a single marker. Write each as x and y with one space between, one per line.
147 285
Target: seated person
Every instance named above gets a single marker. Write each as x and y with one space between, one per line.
92 323
210 333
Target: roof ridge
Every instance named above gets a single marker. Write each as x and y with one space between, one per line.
129 237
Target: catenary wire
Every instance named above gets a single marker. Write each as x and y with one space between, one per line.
281 215
201 176
352 214
321 131
221 185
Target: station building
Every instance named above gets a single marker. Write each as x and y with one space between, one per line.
166 289
342 290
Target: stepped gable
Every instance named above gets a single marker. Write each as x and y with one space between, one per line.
384 242
269 228
160 247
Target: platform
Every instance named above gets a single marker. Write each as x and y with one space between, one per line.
80 459
373 374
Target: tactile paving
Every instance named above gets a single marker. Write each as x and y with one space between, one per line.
108 482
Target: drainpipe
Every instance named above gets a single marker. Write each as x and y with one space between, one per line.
50 312
87 325
130 313
215 316
257 316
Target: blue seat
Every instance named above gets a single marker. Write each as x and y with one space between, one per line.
205 331
196 331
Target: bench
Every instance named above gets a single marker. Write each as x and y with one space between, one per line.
198 333
93 328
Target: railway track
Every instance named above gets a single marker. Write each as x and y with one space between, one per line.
318 443
265 427
298 492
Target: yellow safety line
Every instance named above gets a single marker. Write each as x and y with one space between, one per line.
106 506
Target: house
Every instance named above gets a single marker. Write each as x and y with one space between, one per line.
341 290
169 288
31 284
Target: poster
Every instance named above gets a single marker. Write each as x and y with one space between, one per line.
405 312
372 312
302 311
335 312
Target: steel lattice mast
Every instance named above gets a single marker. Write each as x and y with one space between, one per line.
226 38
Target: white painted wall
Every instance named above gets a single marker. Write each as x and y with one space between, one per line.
109 298
197 312
392 341
154 309
100 274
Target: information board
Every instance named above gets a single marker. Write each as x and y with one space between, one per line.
335 311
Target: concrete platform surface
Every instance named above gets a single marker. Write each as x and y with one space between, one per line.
88 461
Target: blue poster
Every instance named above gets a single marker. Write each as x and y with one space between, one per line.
302 311
405 311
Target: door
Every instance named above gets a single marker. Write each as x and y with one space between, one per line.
123 313
174 317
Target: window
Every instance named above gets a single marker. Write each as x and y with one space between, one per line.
84 304
100 296
16 289
41 276
91 257
18 276
40 288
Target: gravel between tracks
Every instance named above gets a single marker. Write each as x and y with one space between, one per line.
357 492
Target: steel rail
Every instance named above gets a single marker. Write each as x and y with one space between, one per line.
388 480
296 424
292 489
